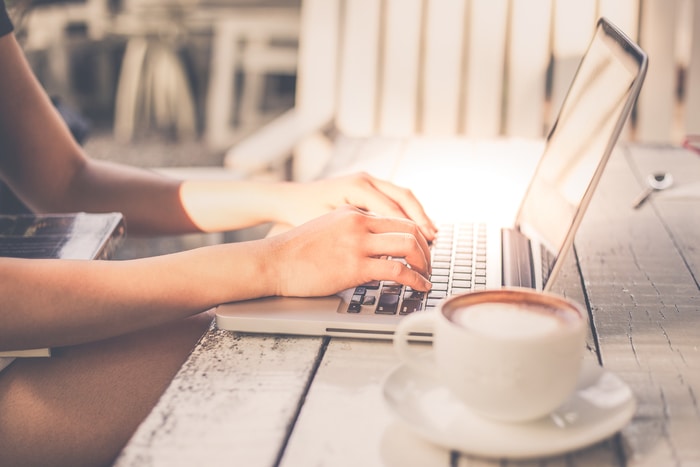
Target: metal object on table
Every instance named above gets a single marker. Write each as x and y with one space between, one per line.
655 182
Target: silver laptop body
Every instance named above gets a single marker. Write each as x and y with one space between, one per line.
526 253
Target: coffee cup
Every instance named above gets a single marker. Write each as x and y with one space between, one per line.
510 355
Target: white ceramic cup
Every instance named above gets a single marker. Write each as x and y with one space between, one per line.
510 355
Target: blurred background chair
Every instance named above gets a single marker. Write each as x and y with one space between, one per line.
479 68
247 48
154 91
69 48
249 42
669 106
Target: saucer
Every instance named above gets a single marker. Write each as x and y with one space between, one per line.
601 406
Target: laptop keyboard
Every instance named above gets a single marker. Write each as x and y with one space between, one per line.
458 258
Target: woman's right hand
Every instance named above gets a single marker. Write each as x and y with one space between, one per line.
346 248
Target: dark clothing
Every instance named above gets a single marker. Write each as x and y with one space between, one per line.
79 126
5 23
9 204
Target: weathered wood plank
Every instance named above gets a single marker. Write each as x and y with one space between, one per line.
677 204
345 410
646 310
231 403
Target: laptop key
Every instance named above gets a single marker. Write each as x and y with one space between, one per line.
437 294
388 304
409 306
460 276
413 295
369 300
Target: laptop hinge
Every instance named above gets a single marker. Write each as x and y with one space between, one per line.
517 264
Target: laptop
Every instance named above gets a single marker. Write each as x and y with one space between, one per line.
467 256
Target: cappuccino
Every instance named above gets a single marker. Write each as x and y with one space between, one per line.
511 320
510 355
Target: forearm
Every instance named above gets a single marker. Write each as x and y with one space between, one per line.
155 204
149 202
57 302
229 205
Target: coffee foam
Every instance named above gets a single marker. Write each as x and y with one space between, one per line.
499 319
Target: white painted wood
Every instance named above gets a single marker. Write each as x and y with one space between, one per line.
345 409
656 105
318 58
692 83
222 81
485 68
311 155
574 25
465 89
623 13
357 83
400 63
271 146
245 42
230 404
378 156
646 306
527 66
443 80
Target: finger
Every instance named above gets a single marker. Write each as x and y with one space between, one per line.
403 200
386 225
399 245
382 269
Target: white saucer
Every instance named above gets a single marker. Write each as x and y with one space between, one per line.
601 406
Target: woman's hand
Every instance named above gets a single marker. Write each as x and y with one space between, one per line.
346 248
310 200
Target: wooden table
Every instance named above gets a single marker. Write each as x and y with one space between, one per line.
261 400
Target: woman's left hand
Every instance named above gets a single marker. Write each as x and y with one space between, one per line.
305 201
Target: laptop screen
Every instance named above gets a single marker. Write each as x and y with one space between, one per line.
589 122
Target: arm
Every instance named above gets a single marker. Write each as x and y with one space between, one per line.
47 169
62 302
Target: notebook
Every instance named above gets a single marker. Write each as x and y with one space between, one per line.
59 236
528 252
